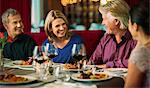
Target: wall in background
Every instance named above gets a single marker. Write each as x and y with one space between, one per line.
23 6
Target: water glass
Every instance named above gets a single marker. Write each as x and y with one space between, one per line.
59 73
57 70
42 69
66 76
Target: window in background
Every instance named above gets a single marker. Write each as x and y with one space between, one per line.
37 15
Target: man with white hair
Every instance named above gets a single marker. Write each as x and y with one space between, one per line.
116 45
20 45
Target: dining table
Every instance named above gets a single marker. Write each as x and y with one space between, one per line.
114 82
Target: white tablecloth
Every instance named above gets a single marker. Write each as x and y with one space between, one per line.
60 84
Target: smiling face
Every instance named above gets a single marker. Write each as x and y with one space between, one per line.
110 23
14 26
59 27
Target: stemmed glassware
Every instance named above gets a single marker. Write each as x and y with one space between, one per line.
78 52
39 54
41 62
79 55
51 51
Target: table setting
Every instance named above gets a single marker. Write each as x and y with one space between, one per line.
18 64
61 78
43 73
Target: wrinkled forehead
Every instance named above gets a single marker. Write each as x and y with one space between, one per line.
15 17
107 14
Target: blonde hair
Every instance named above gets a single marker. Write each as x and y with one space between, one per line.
52 15
7 13
118 9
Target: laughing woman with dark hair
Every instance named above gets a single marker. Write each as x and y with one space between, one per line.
139 62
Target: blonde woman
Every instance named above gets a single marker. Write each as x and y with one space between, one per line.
59 37
116 45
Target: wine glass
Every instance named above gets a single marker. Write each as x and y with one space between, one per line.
79 54
40 54
51 51
41 63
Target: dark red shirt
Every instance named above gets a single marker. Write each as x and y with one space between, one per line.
111 53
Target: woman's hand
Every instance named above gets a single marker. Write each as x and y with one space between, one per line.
102 66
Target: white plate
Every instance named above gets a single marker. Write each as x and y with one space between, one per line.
72 69
25 66
30 79
117 70
75 77
18 64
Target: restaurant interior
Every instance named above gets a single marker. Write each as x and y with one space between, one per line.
84 20
83 16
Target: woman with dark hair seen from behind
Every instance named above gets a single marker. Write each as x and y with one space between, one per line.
139 62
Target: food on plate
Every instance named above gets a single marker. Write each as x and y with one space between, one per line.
70 66
90 75
25 63
98 76
11 78
22 62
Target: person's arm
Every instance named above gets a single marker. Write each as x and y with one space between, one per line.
134 77
110 64
96 57
117 63
30 47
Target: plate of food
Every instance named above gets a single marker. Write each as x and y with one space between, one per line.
22 63
15 79
71 67
91 77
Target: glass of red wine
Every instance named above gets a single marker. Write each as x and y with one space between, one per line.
40 54
51 51
41 63
79 54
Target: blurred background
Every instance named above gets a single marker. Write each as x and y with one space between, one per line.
82 14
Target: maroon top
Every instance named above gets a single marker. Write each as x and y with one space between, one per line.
111 53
